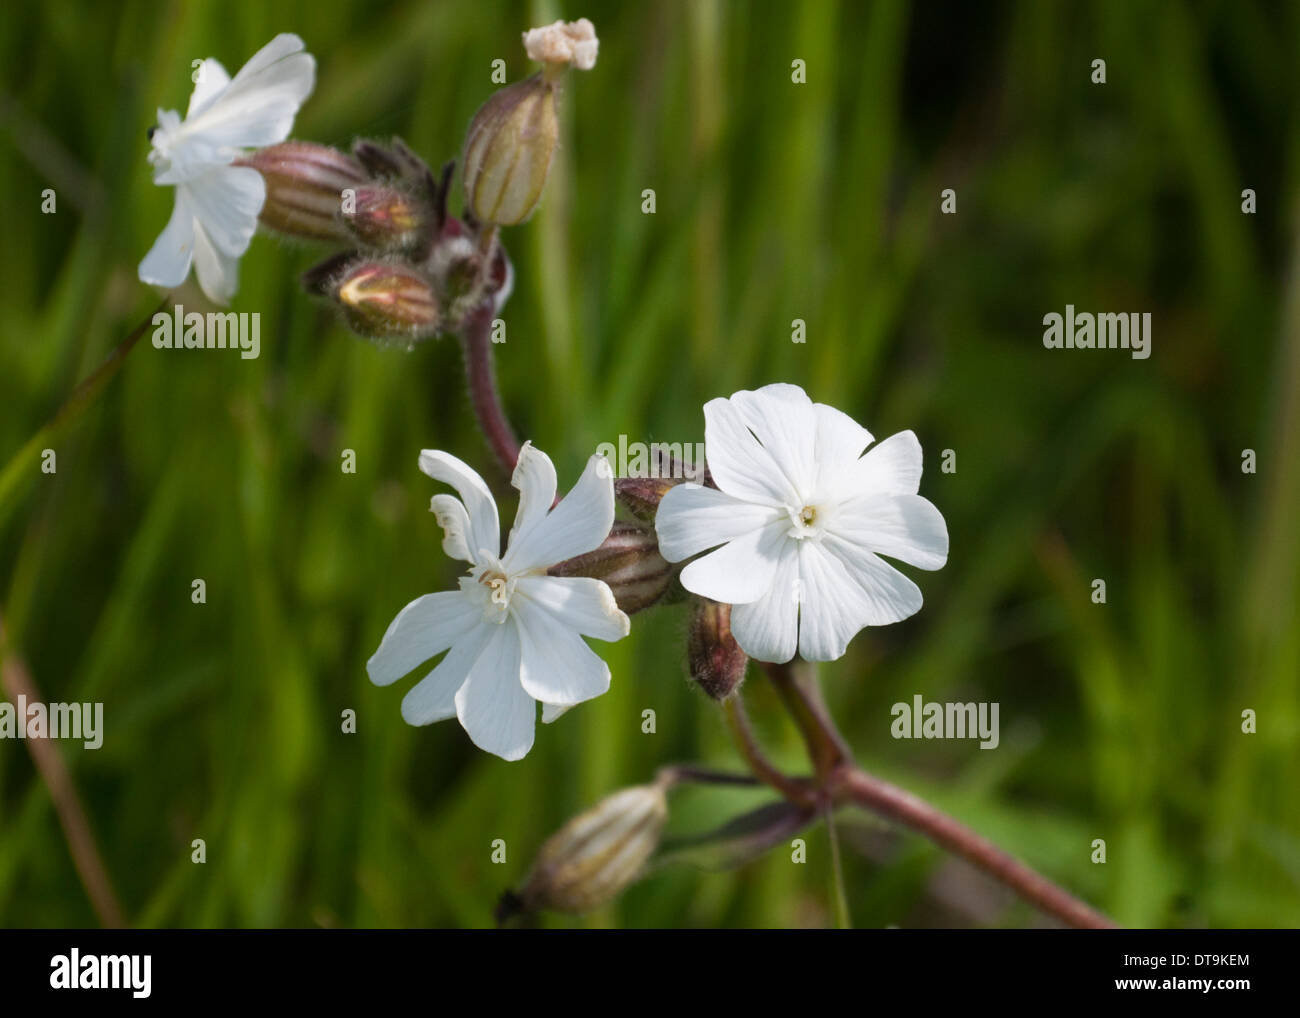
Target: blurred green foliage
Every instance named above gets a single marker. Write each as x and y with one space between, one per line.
775 201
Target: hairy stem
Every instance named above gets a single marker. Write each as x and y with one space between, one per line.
742 733
476 345
16 681
843 781
893 803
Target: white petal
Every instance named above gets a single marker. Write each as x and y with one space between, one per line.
577 525
783 418
742 570
258 106
534 479
485 527
832 608
580 603
425 627
492 705
892 466
905 527
433 698
768 629
456 534
840 444
168 261
556 667
692 518
552 711
210 81
218 273
737 460
226 201
891 596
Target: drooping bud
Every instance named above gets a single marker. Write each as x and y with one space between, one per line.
388 218
714 658
595 856
508 152
304 188
642 495
629 562
384 300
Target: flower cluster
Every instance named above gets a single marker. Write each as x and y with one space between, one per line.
780 547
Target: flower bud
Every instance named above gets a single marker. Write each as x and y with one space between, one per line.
508 152
383 300
596 855
388 218
642 495
304 185
629 562
714 657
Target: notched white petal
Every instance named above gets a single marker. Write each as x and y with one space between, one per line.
456 533
485 527
534 478
576 526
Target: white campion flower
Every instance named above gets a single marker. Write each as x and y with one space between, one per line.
514 633
799 521
217 204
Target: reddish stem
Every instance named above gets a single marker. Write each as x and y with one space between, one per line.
476 345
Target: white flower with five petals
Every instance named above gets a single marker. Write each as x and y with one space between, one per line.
799 520
217 204
513 634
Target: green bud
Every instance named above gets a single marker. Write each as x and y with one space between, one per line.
384 300
388 218
304 188
629 562
508 152
713 656
642 495
596 855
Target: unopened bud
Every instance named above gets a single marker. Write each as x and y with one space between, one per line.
596 855
304 187
383 300
642 495
388 218
629 562
508 152
714 657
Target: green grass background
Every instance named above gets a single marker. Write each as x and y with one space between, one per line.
775 201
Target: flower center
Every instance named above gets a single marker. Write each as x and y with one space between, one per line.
804 522
497 588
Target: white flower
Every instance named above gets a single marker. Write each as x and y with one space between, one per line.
217 204
514 633
562 43
801 517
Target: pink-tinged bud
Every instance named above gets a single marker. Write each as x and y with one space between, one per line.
642 495
508 152
383 300
714 657
629 562
388 218
595 856
305 185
